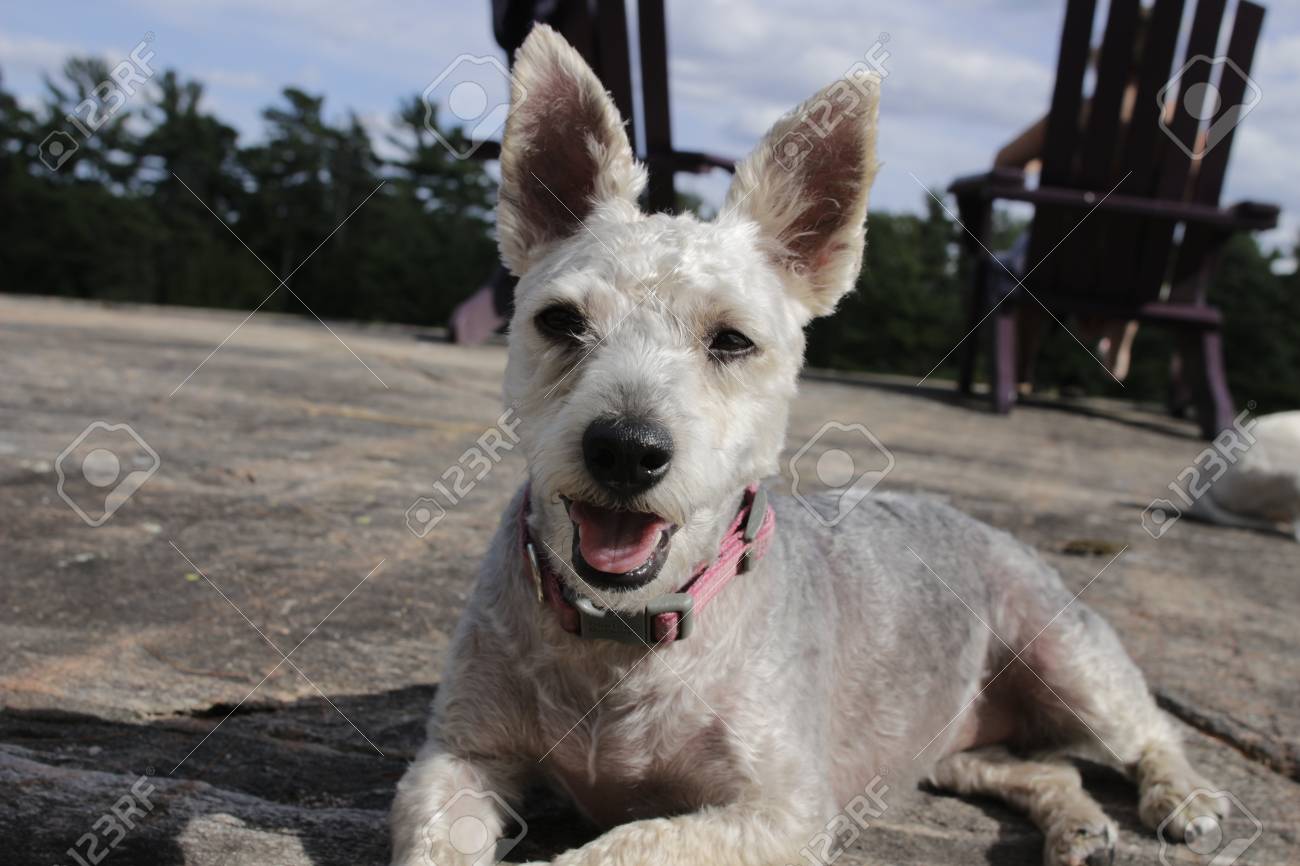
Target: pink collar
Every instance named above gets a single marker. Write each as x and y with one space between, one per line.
668 617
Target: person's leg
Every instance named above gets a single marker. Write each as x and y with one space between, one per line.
1116 346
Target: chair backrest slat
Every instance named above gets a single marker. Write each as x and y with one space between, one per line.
1246 28
1183 125
1153 265
1062 136
1067 96
1141 145
1080 267
574 21
654 102
1190 282
1115 66
614 61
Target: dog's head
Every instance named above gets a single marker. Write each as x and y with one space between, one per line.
653 357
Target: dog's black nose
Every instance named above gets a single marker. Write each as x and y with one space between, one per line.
627 457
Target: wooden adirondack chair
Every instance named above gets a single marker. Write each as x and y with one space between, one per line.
1146 178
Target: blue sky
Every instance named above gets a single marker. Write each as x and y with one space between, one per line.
962 76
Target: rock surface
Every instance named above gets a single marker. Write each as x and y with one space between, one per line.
148 651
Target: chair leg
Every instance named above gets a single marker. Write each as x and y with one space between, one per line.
1180 394
970 350
1032 327
976 215
1203 371
969 355
1002 381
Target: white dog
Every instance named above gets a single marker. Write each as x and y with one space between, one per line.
713 680
1260 488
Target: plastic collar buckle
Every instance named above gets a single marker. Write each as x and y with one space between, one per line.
634 628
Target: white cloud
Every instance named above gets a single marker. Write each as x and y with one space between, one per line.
241 79
27 53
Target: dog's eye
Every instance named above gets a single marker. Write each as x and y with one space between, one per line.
729 344
561 322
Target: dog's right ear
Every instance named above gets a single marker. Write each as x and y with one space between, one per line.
564 152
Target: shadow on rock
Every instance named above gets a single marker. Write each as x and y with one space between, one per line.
285 783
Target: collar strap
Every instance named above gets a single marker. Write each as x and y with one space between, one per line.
669 617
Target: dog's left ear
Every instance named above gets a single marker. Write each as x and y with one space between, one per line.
806 186
564 151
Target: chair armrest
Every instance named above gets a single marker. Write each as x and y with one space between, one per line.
985 183
1171 312
1247 216
975 194
691 161
1265 215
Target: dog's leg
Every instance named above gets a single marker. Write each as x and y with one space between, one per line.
1090 699
1169 788
738 835
437 792
1049 791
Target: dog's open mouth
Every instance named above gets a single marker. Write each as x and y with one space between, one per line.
617 549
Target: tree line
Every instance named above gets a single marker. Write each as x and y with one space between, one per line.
131 213
126 213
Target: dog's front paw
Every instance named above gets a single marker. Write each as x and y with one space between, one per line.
1182 810
1075 843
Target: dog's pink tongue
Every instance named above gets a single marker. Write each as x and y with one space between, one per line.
615 542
